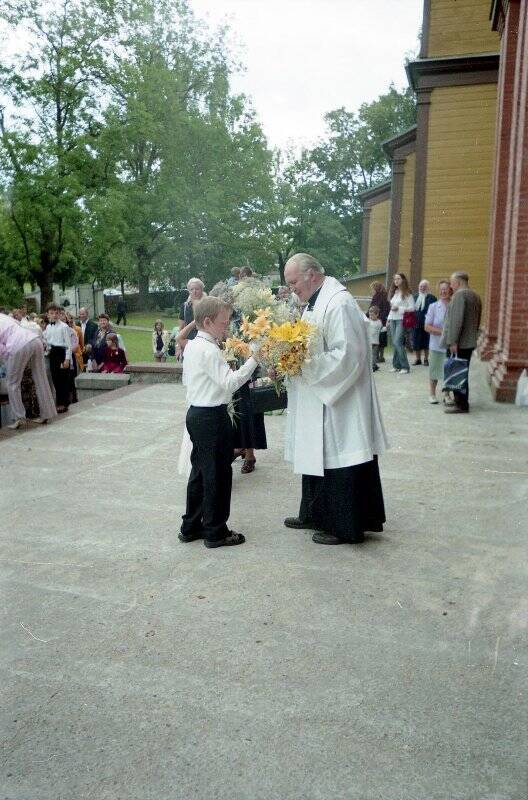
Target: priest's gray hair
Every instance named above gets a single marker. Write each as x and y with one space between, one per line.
306 262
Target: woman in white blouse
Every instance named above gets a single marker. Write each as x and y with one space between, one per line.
401 300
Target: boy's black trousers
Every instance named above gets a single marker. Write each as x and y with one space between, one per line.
209 487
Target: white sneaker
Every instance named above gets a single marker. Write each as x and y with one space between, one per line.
393 369
433 400
404 371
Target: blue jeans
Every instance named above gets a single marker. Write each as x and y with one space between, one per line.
399 358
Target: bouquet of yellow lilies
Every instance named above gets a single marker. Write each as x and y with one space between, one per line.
287 347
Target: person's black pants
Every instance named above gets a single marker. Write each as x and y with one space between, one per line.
209 486
461 399
121 317
345 502
60 376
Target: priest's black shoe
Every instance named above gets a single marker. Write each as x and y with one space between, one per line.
329 538
306 525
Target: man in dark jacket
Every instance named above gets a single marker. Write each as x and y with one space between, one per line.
89 330
121 309
461 328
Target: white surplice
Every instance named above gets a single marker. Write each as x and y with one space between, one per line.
334 418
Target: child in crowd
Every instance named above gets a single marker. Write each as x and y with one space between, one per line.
375 326
114 359
210 386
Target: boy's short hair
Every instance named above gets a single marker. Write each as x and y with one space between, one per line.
53 307
208 307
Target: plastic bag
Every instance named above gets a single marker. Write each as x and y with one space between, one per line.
521 396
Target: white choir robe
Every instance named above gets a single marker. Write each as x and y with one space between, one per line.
334 418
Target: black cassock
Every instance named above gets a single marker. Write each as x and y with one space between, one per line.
345 502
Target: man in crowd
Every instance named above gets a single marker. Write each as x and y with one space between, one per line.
89 331
460 332
334 431
121 309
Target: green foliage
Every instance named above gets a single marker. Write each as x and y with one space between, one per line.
126 158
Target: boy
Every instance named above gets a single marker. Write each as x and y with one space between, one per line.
210 385
375 325
58 345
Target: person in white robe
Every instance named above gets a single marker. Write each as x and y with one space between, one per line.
334 428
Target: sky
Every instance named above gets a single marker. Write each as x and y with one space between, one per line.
304 58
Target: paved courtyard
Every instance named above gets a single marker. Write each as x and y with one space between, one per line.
138 668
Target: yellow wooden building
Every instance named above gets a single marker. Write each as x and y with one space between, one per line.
442 169
376 205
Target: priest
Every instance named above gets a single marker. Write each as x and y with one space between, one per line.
334 428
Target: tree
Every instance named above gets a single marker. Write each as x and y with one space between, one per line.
185 164
46 144
352 160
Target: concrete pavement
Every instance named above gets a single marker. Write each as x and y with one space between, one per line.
138 668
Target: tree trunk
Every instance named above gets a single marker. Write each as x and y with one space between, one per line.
44 279
282 264
143 267
122 282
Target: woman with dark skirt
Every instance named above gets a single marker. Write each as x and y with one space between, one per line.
420 338
249 429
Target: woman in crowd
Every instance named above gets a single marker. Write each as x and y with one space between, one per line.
420 337
19 348
195 288
381 301
434 323
249 429
401 301
160 341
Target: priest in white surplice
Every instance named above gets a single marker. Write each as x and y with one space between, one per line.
334 427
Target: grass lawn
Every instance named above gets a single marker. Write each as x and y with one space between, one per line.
145 319
138 345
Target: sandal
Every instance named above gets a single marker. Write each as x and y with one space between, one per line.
248 466
232 538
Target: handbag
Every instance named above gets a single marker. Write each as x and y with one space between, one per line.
171 349
265 398
409 319
456 371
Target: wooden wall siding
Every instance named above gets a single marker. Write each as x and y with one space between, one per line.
361 288
460 27
378 249
404 260
460 157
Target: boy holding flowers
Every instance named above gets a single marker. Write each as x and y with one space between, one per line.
210 385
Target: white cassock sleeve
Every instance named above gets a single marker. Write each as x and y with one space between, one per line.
331 373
